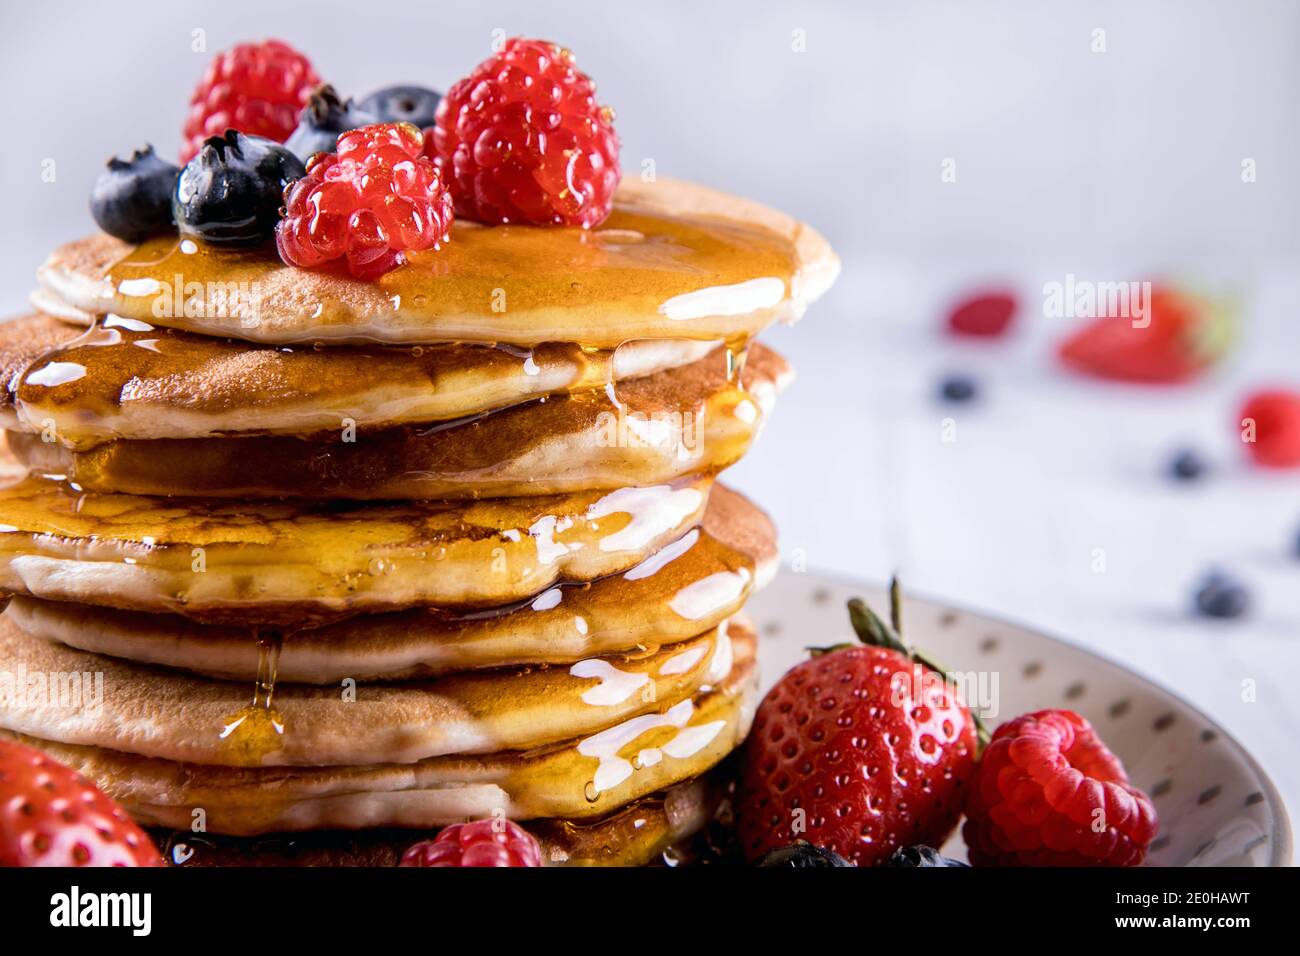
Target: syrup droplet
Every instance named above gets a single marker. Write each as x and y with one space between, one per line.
254 731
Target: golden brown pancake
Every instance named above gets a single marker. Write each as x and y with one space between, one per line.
683 421
295 564
689 586
161 713
673 260
132 380
634 835
583 779
22 342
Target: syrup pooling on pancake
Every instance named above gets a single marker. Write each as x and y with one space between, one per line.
689 420
130 379
687 587
553 781
174 716
294 564
672 260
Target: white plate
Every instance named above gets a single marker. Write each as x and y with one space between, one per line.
1217 806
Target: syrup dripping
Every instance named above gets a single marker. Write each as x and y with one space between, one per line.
254 731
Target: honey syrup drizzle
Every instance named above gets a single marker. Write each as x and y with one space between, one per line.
122 374
255 730
641 274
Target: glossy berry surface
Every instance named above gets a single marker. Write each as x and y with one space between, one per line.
325 116
802 856
523 140
1272 419
52 816
858 750
490 842
922 856
984 314
132 198
1222 597
416 105
230 193
368 204
1049 793
256 88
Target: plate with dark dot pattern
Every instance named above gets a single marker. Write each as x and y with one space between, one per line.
1217 806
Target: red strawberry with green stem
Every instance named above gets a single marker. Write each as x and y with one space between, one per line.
863 749
1180 335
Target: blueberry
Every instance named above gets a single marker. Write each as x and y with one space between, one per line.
231 192
1221 596
958 388
404 104
132 198
321 121
801 855
922 856
1187 465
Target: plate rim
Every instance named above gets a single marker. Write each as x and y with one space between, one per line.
1283 840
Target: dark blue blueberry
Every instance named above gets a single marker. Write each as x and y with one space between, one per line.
321 121
958 388
1187 465
231 192
403 104
802 855
132 198
922 856
1221 596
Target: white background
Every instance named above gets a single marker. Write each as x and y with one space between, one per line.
1116 165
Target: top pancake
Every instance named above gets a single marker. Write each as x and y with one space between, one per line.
673 260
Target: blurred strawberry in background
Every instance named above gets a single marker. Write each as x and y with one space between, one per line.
1180 335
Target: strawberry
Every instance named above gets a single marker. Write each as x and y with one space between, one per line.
1181 335
861 750
52 816
1271 421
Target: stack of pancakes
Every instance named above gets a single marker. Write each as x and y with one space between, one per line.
303 568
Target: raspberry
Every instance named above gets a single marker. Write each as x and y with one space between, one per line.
489 842
369 202
1274 416
1047 792
256 88
985 314
523 140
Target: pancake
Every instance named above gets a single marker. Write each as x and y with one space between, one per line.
582 779
294 564
673 260
688 587
634 835
158 713
126 379
23 341
683 421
